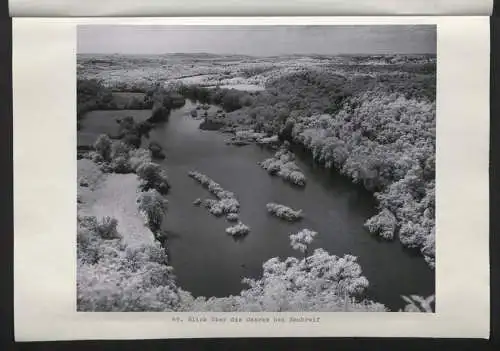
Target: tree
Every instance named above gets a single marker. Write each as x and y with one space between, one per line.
152 206
384 224
103 147
153 177
416 303
324 283
302 240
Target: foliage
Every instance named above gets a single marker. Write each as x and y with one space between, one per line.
229 99
239 229
112 276
302 240
226 200
131 132
152 206
153 177
222 206
387 143
120 149
284 212
283 166
156 150
120 165
323 283
106 228
162 101
416 303
383 223
93 95
232 217
319 282
103 147
139 157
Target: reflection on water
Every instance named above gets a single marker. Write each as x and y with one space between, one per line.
209 262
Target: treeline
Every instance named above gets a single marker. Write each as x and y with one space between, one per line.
319 91
229 99
94 95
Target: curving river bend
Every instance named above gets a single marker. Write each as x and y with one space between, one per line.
209 262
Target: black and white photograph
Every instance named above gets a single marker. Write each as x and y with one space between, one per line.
256 168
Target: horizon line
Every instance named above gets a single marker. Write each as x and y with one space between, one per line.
249 55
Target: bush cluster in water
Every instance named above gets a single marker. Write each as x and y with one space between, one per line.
239 229
226 200
226 203
284 212
283 165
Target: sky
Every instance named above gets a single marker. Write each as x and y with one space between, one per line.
257 40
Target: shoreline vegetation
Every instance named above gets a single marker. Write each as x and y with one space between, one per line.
377 128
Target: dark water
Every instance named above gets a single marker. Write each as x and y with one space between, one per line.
209 262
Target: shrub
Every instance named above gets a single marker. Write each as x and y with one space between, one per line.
120 149
302 240
106 228
284 212
103 147
239 229
160 113
139 157
282 164
120 165
232 217
153 177
132 139
130 132
383 223
156 150
226 200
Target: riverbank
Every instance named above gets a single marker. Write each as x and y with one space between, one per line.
121 263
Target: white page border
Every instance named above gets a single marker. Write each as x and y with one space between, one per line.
44 75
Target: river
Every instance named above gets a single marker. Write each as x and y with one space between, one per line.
208 262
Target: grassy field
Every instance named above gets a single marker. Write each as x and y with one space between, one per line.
114 195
